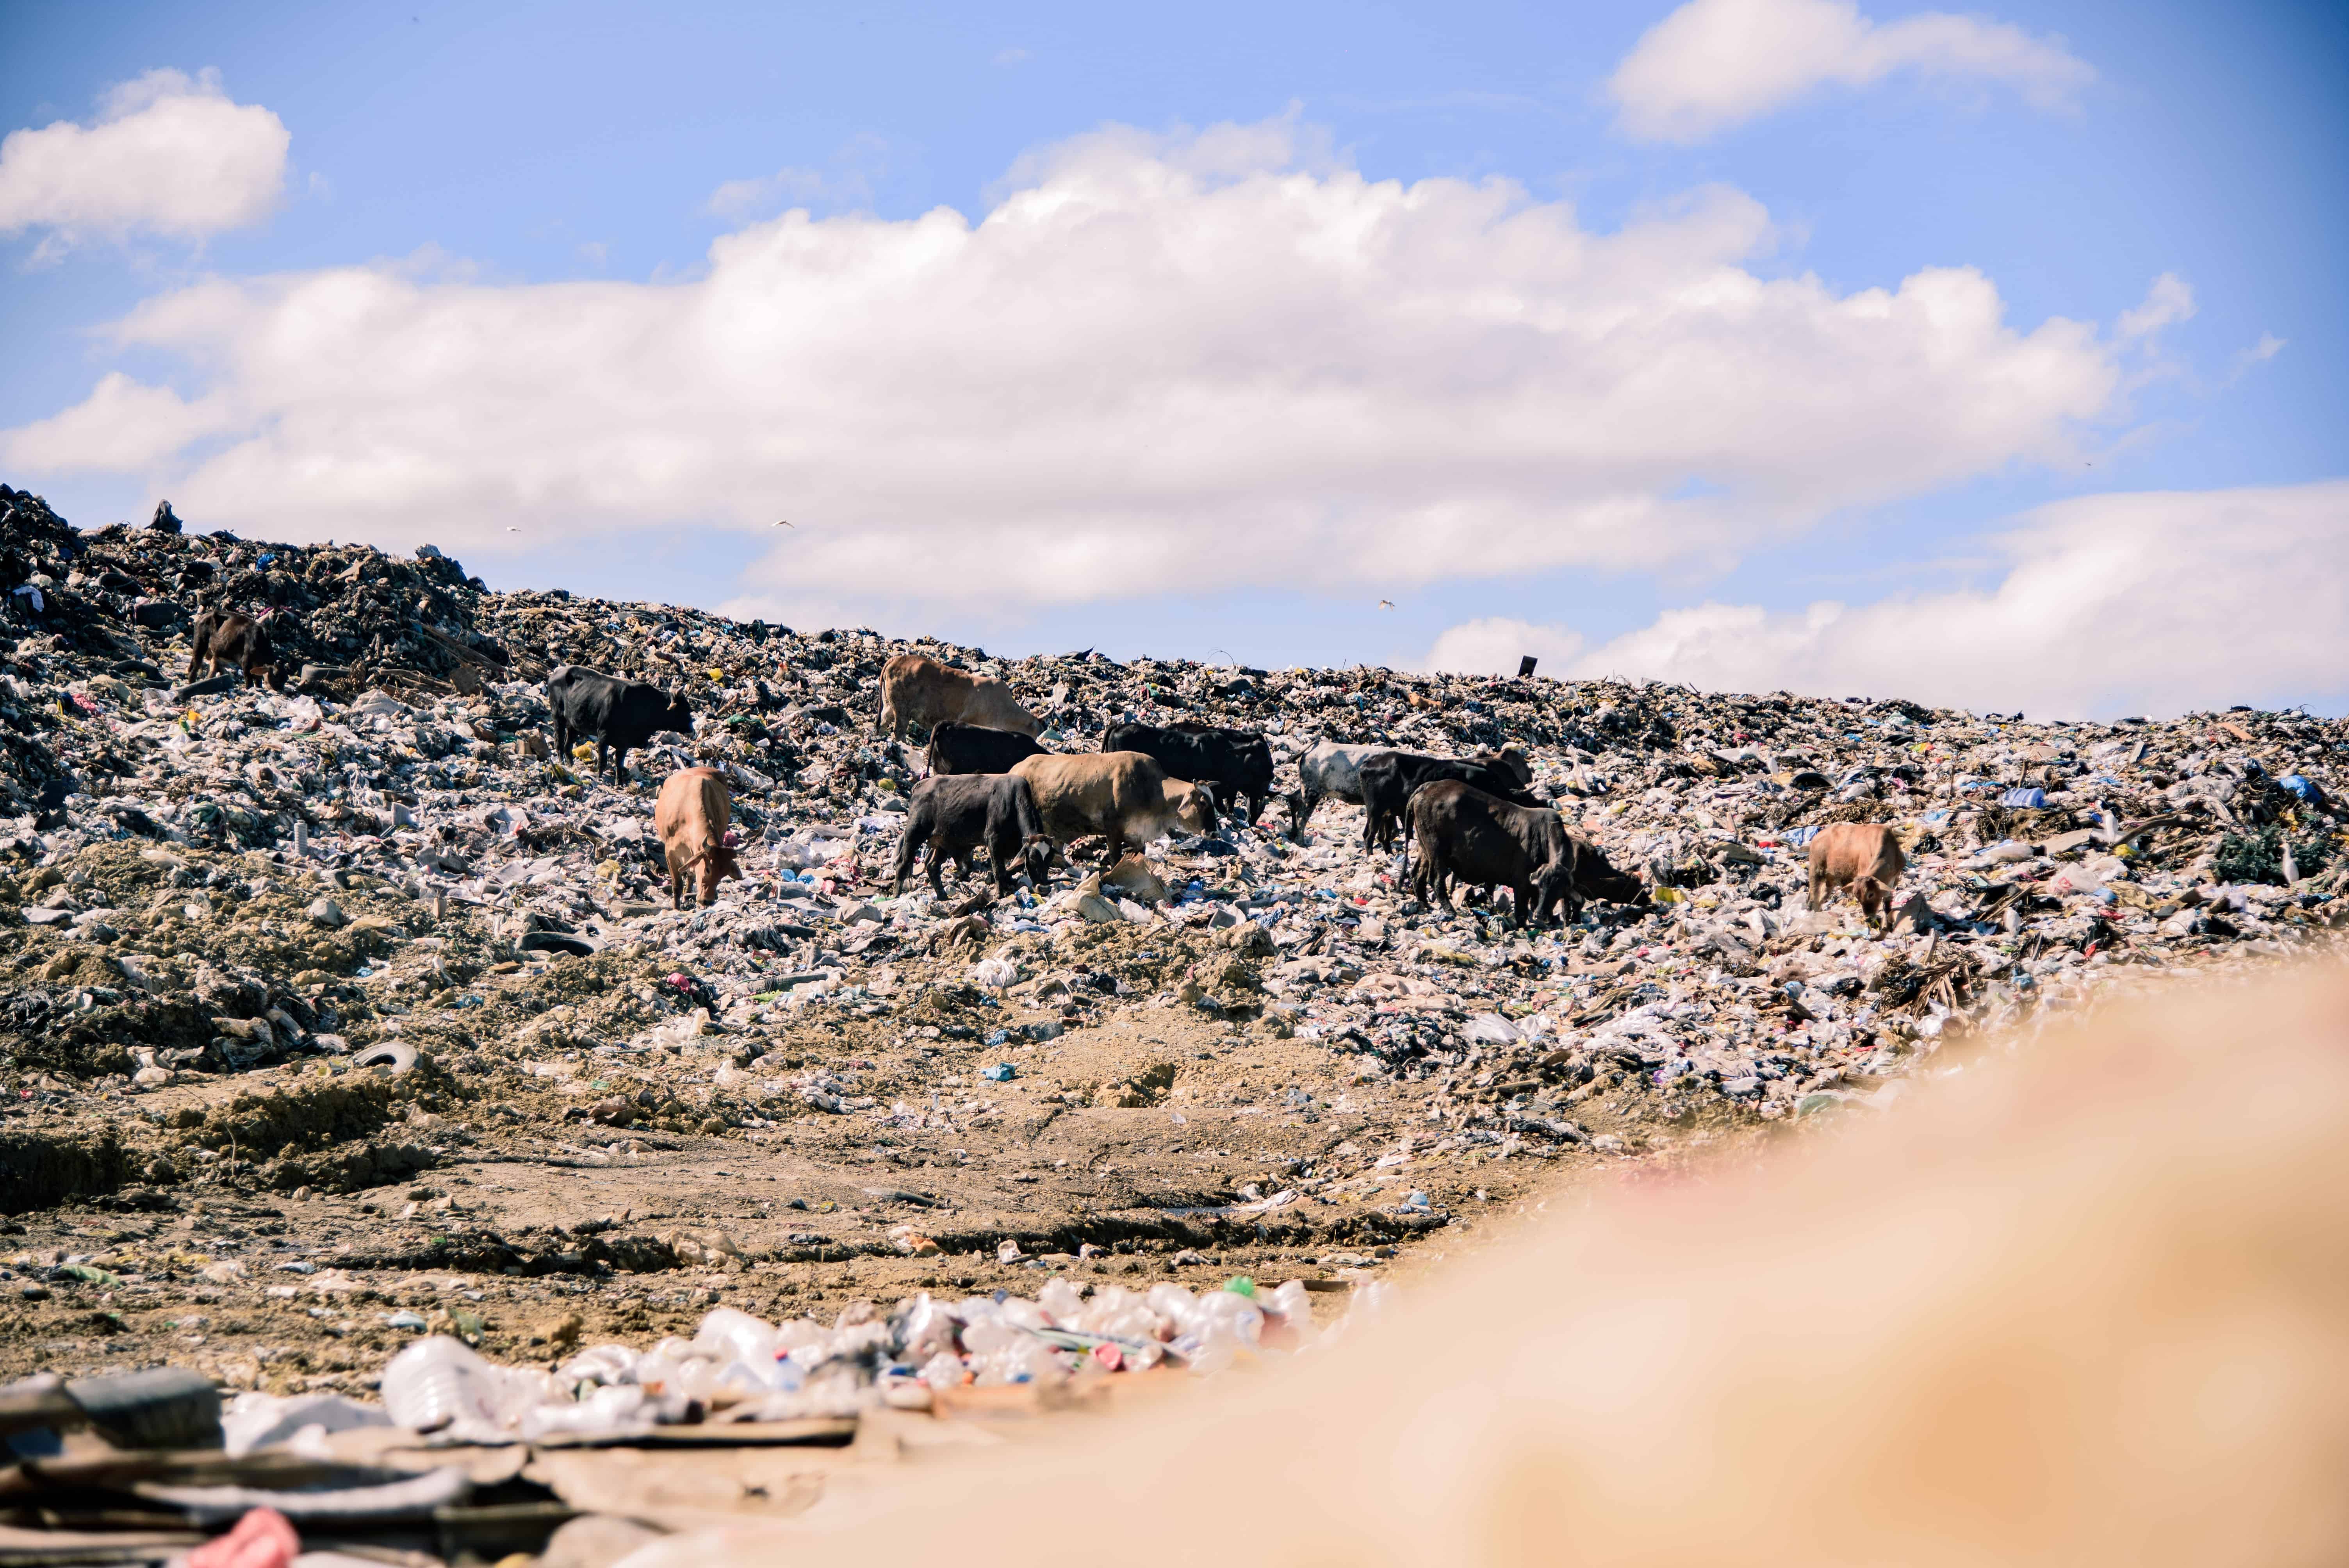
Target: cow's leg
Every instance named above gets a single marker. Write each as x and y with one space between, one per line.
676 879
907 848
1818 884
933 863
1003 856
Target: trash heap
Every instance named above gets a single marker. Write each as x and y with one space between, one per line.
373 889
739 1367
272 944
405 768
463 1455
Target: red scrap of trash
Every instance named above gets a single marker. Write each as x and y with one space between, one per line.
264 1538
733 839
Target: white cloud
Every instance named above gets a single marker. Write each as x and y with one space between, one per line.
1714 64
168 155
2156 601
2167 303
1492 644
848 182
121 426
1158 364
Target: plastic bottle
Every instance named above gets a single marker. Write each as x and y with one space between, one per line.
1061 1301
438 1385
729 1333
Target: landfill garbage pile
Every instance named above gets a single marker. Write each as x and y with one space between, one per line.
462 1455
341 1010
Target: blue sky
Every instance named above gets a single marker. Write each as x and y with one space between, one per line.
489 157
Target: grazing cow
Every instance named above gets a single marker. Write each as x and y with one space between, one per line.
917 689
621 715
1863 856
1389 779
1485 842
1123 795
690 815
975 748
222 638
954 813
1236 763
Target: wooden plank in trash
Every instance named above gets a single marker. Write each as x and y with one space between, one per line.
810 1429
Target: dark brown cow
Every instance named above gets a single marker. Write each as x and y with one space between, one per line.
954 813
222 640
1862 856
1486 841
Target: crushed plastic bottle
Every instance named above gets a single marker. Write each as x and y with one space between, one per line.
440 1387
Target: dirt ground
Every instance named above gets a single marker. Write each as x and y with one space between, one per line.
291 1227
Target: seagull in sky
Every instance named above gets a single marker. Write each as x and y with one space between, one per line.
1386 603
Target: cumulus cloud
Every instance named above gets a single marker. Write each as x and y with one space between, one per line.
120 427
1157 364
168 155
2141 603
1714 64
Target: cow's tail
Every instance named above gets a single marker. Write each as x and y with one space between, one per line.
1029 820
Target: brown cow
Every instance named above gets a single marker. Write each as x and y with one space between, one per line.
1864 856
1121 795
917 689
690 816
224 638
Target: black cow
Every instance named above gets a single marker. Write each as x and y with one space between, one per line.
1390 777
621 715
954 813
975 748
1234 764
1484 842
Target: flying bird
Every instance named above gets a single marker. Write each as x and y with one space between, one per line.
783 525
1386 603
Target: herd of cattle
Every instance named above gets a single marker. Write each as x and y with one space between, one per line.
991 784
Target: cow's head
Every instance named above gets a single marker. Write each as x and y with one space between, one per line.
717 864
1595 878
1036 854
1194 807
1553 891
678 716
1298 811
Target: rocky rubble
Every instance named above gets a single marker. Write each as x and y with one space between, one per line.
366 929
